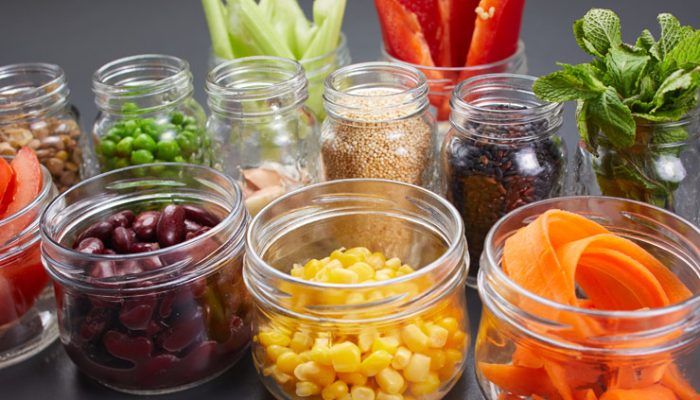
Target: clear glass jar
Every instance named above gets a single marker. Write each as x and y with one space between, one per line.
158 321
35 112
640 351
146 114
503 151
27 310
661 174
378 125
317 69
376 320
263 134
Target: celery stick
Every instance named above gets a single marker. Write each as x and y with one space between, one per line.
328 16
241 41
214 13
257 28
290 22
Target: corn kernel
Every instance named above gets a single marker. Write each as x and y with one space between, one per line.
375 295
387 343
297 271
447 372
346 397
365 339
307 389
335 390
362 393
321 352
414 338
273 337
346 357
362 252
300 342
454 356
393 263
314 372
325 260
375 362
352 378
279 376
343 276
345 258
457 339
384 274
363 270
430 385
437 336
274 351
405 270
385 396
449 323
355 298
401 358
286 362
438 359
418 368
376 260
390 381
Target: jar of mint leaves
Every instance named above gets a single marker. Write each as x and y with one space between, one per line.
637 112
146 114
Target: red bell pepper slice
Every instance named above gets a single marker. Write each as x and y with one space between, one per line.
496 31
433 22
403 37
460 27
26 186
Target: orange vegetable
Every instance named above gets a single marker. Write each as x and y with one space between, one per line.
656 392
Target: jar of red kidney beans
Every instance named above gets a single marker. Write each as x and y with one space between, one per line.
146 263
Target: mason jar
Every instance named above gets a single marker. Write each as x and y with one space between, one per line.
134 314
392 335
316 69
532 347
27 311
378 125
146 114
263 135
35 112
659 168
502 152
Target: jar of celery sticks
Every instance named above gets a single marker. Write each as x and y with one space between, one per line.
358 286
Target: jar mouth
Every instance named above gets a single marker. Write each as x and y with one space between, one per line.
135 77
492 262
373 90
27 87
234 84
472 69
33 210
236 217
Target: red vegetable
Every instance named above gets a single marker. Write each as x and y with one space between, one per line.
460 28
7 186
403 37
433 17
496 31
21 191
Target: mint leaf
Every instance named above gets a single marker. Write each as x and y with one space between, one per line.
669 135
583 43
686 54
563 86
671 34
613 118
677 89
586 127
625 68
645 41
590 75
602 29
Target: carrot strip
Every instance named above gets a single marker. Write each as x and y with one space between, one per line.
519 381
656 392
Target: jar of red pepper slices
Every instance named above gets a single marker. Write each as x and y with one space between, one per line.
502 152
147 264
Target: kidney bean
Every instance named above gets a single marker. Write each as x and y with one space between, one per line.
127 348
91 245
109 252
191 226
200 358
183 333
103 269
194 234
123 239
129 267
159 365
143 247
95 322
136 314
151 263
123 218
166 305
200 216
145 225
101 230
171 225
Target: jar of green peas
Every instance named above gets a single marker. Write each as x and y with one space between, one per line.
146 115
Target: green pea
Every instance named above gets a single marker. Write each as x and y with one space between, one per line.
168 149
129 108
145 142
158 168
141 157
107 148
124 146
185 143
121 163
179 159
114 131
189 121
176 118
129 126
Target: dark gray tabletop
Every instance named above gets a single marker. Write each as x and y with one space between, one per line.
81 35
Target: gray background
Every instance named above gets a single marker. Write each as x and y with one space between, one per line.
82 35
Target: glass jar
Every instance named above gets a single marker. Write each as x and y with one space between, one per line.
525 346
263 135
158 321
146 114
316 69
27 311
502 152
378 125
411 331
35 112
659 173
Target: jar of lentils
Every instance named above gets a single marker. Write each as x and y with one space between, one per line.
146 114
35 112
503 151
378 124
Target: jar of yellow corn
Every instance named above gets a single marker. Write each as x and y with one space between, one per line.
359 287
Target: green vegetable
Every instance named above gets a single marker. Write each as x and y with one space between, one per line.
141 157
168 150
214 12
623 86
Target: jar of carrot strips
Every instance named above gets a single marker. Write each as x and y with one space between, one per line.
590 298
359 292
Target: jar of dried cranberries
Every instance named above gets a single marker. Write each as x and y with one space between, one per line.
147 262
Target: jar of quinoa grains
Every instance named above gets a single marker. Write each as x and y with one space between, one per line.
378 125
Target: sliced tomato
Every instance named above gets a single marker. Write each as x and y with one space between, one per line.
27 184
7 186
496 31
460 27
432 16
402 33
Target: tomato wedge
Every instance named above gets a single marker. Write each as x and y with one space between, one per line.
7 187
496 31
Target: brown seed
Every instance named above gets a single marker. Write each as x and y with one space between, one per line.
54 165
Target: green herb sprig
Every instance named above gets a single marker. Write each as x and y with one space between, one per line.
652 80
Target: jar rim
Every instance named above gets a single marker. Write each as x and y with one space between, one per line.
12 99
493 266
